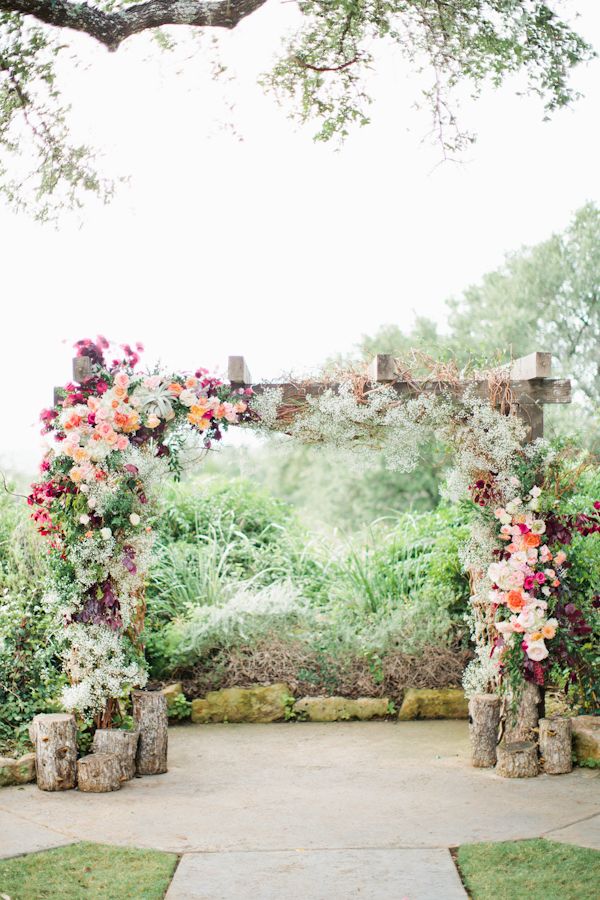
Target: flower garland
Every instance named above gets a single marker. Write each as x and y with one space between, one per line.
116 437
537 625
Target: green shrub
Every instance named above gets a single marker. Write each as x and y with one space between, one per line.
30 677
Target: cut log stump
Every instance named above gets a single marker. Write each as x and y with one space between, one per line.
555 746
517 760
123 744
54 736
484 720
521 724
150 715
99 773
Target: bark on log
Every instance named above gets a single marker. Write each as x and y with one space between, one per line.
123 744
484 719
150 715
55 740
521 724
555 746
99 773
517 760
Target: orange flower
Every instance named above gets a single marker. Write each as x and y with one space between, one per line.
548 631
196 416
515 601
133 423
531 540
74 421
119 392
537 636
175 389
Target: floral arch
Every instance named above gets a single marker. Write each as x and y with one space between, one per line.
117 433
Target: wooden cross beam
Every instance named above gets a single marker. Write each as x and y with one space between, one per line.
531 386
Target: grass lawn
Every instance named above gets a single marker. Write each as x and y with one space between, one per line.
530 870
88 870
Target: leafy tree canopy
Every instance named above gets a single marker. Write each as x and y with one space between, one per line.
321 69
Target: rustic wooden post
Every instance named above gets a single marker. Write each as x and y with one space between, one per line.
528 407
484 721
383 368
517 760
122 744
99 773
150 714
82 369
521 724
238 372
54 736
555 746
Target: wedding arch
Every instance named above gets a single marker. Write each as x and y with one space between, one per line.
117 433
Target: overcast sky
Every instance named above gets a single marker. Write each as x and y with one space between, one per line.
253 239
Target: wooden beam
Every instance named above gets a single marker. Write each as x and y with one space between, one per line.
383 368
554 390
534 365
237 370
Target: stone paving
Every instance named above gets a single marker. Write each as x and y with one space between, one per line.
313 811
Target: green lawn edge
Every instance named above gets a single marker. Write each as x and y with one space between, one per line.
88 870
535 869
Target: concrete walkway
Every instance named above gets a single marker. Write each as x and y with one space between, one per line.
352 809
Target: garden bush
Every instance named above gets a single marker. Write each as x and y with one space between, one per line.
30 678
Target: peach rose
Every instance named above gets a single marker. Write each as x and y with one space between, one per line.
515 601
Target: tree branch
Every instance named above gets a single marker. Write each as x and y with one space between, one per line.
112 28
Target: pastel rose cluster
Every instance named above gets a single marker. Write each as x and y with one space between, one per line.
112 449
524 579
134 408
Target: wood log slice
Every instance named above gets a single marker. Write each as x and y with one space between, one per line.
484 721
518 759
123 744
150 715
521 723
555 746
99 773
54 737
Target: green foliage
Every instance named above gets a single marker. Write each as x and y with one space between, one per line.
322 72
51 172
30 678
89 870
180 707
400 586
470 41
520 870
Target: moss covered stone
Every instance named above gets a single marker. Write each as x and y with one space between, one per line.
262 703
171 691
429 703
334 709
586 738
17 771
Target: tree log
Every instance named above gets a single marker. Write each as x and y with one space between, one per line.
123 744
484 719
517 760
555 746
99 773
521 723
150 715
55 739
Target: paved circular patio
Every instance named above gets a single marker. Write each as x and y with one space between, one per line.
365 809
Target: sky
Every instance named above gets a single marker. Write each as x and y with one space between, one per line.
236 233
